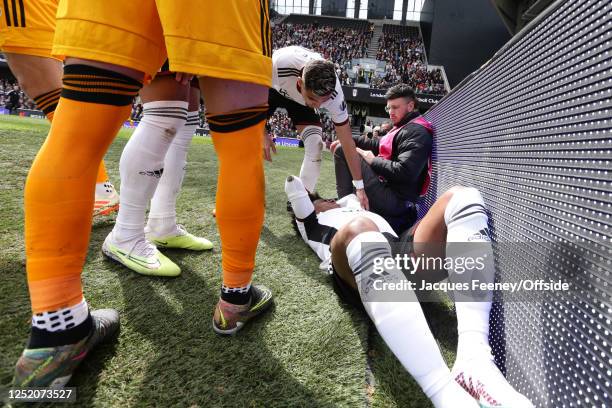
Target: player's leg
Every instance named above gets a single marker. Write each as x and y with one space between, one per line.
59 195
237 126
36 75
41 79
356 250
456 226
57 234
162 228
141 167
312 137
232 57
309 127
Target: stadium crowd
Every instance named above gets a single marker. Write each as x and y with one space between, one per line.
404 56
280 125
397 50
406 64
340 45
416 75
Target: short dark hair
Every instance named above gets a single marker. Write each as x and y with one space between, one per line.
319 77
402 91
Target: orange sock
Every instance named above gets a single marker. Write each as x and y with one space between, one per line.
47 103
237 137
59 191
102 175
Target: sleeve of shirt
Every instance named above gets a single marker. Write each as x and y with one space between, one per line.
337 106
367 144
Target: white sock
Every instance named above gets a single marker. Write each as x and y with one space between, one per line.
297 195
142 164
312 136
62 319
401 323
467 222
162 215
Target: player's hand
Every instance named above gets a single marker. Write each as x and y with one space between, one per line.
183 78
367 155
269 146
363 198
333 145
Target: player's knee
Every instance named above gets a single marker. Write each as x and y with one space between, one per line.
216 90
460 197
32 85
470 192
312 136
358 225
448 194
168 124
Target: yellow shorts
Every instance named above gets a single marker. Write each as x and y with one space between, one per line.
27 26
222 39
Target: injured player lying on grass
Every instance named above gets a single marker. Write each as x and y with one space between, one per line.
351 242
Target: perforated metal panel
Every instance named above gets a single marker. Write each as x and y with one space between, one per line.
532 130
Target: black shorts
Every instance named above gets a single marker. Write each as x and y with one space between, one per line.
299 114
351 296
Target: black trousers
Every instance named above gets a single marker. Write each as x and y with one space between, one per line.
399 213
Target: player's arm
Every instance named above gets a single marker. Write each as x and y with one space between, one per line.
340 117
345 136
366 144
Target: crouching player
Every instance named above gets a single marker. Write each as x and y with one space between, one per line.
351 240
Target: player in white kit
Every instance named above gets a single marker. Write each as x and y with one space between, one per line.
303 82
352 242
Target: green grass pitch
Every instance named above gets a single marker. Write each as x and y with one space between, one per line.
310 351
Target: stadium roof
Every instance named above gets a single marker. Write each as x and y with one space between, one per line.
517 13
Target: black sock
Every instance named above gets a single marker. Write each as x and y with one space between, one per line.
236 296
40 338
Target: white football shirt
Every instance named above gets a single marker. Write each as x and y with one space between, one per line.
318 234
287 65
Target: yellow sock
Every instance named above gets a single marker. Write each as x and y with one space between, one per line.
59 191
237 137
47 103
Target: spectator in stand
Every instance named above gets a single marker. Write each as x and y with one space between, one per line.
12 97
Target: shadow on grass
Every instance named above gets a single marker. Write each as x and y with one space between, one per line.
287 243
188 364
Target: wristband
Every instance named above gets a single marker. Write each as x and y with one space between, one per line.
358 184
